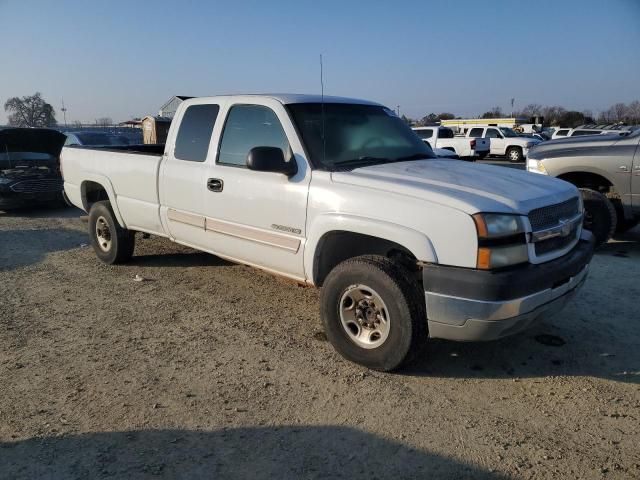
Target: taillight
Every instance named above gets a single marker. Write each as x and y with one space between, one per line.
473 144
61 172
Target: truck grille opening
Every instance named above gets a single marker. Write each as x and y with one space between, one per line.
38 186
550 216
557 243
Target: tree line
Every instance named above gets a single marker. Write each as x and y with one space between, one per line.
628 114
34 111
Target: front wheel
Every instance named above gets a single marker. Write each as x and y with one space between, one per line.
112 243
514 154
373 312
599 215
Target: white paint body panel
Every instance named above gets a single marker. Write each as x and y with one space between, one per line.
425 206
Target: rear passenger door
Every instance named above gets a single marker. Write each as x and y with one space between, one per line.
183 174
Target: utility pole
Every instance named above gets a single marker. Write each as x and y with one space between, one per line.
398 108
64 113
513 100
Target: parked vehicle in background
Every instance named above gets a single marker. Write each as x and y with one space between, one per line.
30 167
95 139
504 141
581 132
340 194
521 124
606 168
443 137
535 136
444 153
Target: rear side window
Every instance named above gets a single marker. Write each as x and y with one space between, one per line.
445 133
194 134
579 133
424 133
250 126
476 132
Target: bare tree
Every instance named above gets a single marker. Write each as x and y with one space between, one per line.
104 121
495 112
30 111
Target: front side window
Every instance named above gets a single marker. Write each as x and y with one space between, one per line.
508 132
476 132
194 134
344 135
250 126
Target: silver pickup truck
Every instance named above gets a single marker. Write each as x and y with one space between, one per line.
606 169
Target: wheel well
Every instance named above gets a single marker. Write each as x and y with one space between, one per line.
451 149
588 180
93 192
511 147
338 246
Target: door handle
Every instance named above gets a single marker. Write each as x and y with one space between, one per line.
215 184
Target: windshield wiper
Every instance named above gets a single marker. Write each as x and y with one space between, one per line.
363 161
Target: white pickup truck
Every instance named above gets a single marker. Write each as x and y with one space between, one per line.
504 141
340 194
443 137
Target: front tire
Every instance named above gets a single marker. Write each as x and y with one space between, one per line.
374 312
600 215
514 154
112 243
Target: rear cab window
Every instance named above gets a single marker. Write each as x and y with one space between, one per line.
194 133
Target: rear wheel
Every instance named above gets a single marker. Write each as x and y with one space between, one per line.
599 215
514 154
374 312
112 243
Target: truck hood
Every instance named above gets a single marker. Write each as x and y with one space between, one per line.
573 143
469 187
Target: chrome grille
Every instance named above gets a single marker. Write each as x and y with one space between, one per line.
41 185
550 216
556 243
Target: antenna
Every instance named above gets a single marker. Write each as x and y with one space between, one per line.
324 142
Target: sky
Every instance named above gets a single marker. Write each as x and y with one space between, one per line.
124 59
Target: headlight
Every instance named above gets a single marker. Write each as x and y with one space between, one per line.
492 225
501 240
5 180
536 166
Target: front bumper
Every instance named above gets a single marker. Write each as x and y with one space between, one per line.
475 305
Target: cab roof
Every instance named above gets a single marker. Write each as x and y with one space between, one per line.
290 98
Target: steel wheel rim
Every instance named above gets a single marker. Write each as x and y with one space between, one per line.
103 234
364 316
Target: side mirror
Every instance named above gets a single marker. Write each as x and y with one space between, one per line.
270 159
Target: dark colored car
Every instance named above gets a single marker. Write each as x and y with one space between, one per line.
30 167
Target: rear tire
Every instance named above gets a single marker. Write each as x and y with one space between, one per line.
600 215
374 312
112 243
514 154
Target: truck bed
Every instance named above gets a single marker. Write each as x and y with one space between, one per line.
131 172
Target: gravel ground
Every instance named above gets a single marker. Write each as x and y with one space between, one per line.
211 370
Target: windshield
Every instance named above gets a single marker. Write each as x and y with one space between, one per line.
355 135
507 132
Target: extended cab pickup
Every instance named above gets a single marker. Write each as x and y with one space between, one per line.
443 137
341 194
504 142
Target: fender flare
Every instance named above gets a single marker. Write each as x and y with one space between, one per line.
416 242
108 187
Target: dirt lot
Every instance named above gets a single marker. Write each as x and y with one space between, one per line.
213 370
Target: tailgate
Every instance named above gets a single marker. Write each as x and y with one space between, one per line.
482 144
